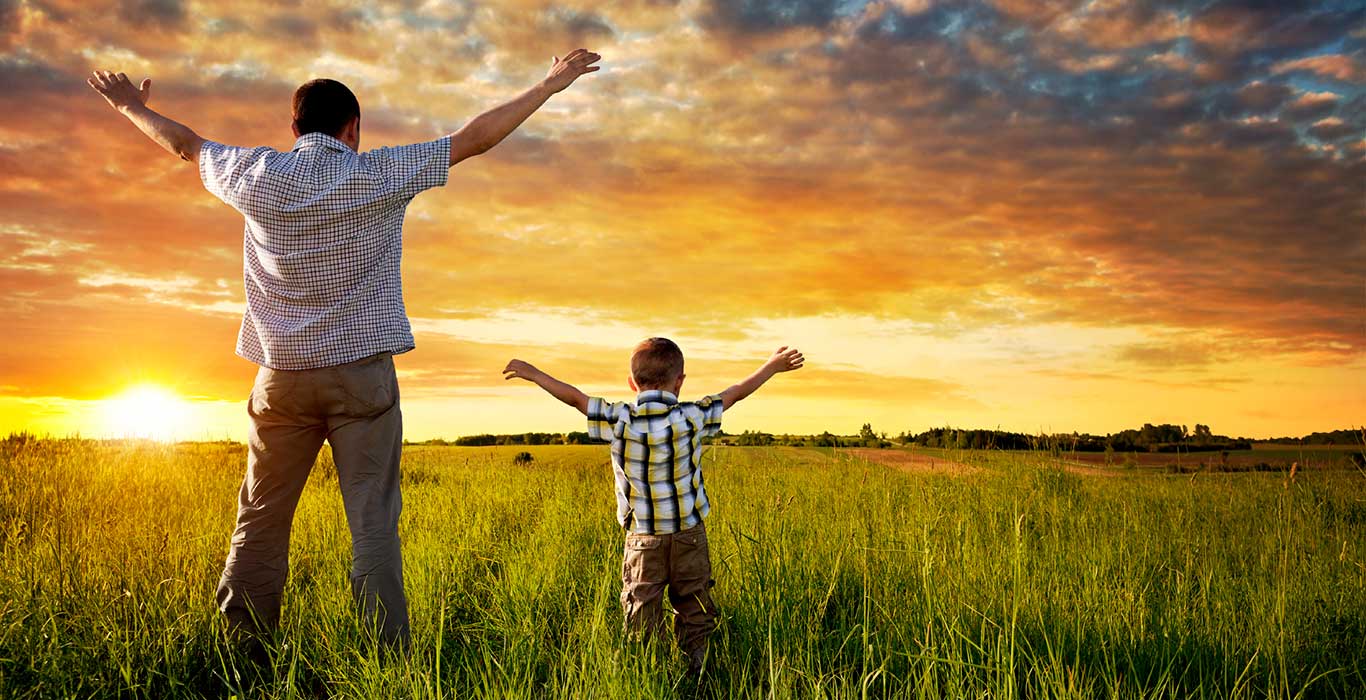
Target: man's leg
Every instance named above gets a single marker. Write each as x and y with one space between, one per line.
367 443
282 446
644 573
690 585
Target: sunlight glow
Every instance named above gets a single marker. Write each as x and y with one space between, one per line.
146 411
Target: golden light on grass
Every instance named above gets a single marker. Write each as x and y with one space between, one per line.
146 411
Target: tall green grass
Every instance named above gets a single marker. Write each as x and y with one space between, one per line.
837 578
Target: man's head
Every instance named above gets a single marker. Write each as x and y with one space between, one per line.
657 363
326 106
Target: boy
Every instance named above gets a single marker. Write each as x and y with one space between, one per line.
661 499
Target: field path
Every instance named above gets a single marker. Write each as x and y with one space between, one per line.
1089 468
912 461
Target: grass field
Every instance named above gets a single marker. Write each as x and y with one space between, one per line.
1262 457
839 575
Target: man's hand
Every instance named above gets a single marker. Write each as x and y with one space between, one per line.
518 369
488 129
119 91
564 71
785 359
131 102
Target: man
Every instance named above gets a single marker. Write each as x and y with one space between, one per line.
324 317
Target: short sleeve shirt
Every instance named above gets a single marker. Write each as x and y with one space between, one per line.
322 244
656 445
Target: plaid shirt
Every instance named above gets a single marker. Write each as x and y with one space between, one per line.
322 245
657 458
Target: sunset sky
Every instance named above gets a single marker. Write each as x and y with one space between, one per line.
1038 216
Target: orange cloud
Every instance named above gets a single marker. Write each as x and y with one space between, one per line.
1335 66
969 167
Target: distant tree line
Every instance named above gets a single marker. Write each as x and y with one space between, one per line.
486 439
1166 437
748 438
955 438
1334 437
867 437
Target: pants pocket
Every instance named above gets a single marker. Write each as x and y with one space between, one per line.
370 386
271 392
691 556
645 560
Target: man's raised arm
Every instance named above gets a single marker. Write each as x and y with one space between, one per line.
486 130
131 102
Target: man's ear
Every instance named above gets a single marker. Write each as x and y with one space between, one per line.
294 126
678 385
352 132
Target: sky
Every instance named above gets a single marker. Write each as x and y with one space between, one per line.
1046 216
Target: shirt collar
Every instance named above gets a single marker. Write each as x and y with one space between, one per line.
317 139
656 396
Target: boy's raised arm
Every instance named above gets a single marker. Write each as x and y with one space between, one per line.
784 360
486 130
131 102
553 386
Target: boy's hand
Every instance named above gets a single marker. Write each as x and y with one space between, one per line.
521 370
553 386
785 359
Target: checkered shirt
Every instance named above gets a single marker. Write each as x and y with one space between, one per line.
657 458
322 245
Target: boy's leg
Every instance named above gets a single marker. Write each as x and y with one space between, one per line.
283 443
644 573
366 433
690 593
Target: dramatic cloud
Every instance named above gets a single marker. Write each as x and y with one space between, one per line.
1346 69
1150 193
9 21
163 13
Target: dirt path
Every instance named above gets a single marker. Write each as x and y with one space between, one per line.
931 464
1091 469
912 462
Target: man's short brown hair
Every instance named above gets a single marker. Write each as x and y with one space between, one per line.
324 105
656 363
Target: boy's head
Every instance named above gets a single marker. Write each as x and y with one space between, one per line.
657 363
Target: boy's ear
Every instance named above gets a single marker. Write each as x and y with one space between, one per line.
631 382
678 385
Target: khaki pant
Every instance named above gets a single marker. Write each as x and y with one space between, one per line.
355 408
681 562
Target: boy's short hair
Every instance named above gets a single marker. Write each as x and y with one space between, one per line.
656 363
325 106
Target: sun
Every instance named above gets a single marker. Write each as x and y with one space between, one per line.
145 411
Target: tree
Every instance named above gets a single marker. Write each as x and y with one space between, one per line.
869 436
754 438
